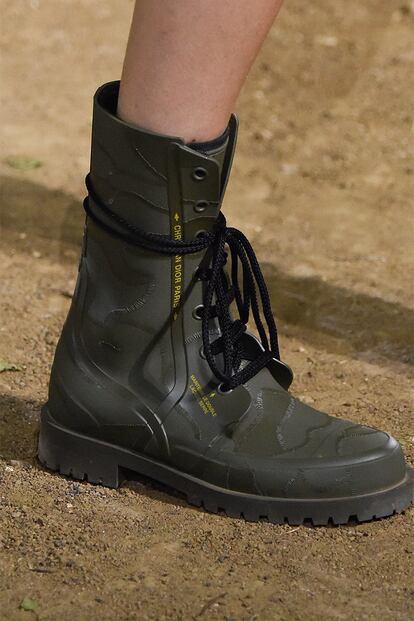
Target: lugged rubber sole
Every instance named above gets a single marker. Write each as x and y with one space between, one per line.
85 458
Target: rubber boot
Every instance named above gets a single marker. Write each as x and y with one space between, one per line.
154 376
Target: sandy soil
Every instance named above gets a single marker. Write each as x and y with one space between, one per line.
323 186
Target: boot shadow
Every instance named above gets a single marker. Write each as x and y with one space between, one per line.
341 320
32 209
19 428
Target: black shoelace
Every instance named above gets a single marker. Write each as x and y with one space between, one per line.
218 294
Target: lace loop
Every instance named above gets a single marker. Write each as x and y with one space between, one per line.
246 299
250 294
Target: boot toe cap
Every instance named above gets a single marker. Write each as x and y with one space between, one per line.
356 461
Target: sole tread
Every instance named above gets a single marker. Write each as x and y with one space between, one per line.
247 516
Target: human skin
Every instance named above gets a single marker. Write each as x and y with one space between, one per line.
186 62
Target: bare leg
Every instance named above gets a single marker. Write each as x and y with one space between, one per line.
186 62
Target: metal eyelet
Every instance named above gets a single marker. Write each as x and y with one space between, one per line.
202 354
199 173
201 233
201 206
222 391
197 310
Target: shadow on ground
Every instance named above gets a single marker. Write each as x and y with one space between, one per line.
327 316
39 211
18 428
341 320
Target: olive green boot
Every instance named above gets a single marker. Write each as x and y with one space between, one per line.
154 376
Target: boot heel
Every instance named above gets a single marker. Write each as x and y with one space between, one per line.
77 456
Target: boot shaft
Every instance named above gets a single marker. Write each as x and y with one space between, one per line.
151 180
133 317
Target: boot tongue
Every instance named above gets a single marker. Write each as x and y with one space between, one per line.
219 153
215 148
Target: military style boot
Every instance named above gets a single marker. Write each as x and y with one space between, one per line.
154 375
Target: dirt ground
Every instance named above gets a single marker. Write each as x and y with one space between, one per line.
323 186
